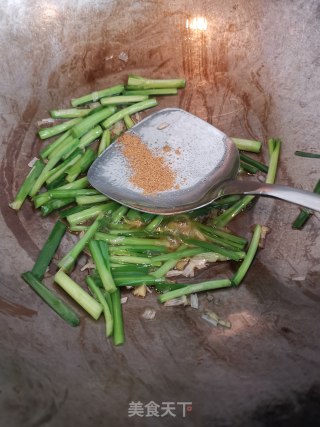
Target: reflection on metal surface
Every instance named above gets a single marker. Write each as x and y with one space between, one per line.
241 322
49 12
198 23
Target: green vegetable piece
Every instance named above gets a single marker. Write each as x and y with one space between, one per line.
305 154
90 136
67 146
43 198
224 219
128 121
71 211
118 334
60 170
46 172
134 260
123 240
68 261
90 213
61 308
100 263
134 108
138 82
165 91
70 113
302 219
122 100
89 122
117 215
48 251
305 214
212 247
154 224
186 253
167 265
247 145
60 193
78 294
44 153
255 163
81 165
106 310
91 200
27 185
59 182
55 130
274 148
105 141
55 204
95 96
192 289
247 261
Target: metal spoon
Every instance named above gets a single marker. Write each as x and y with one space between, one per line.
205 160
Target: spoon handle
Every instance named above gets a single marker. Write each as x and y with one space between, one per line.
303 198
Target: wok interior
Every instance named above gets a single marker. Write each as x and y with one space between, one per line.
252 70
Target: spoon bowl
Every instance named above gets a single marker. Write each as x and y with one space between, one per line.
205 162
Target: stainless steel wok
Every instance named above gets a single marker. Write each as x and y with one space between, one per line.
252 70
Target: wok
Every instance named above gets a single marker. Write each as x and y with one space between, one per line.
252 70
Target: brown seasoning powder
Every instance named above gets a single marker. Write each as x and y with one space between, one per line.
149 172
166 148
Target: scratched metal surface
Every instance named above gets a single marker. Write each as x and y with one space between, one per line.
254 72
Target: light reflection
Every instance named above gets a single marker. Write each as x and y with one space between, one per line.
241 322
49 12
198 23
